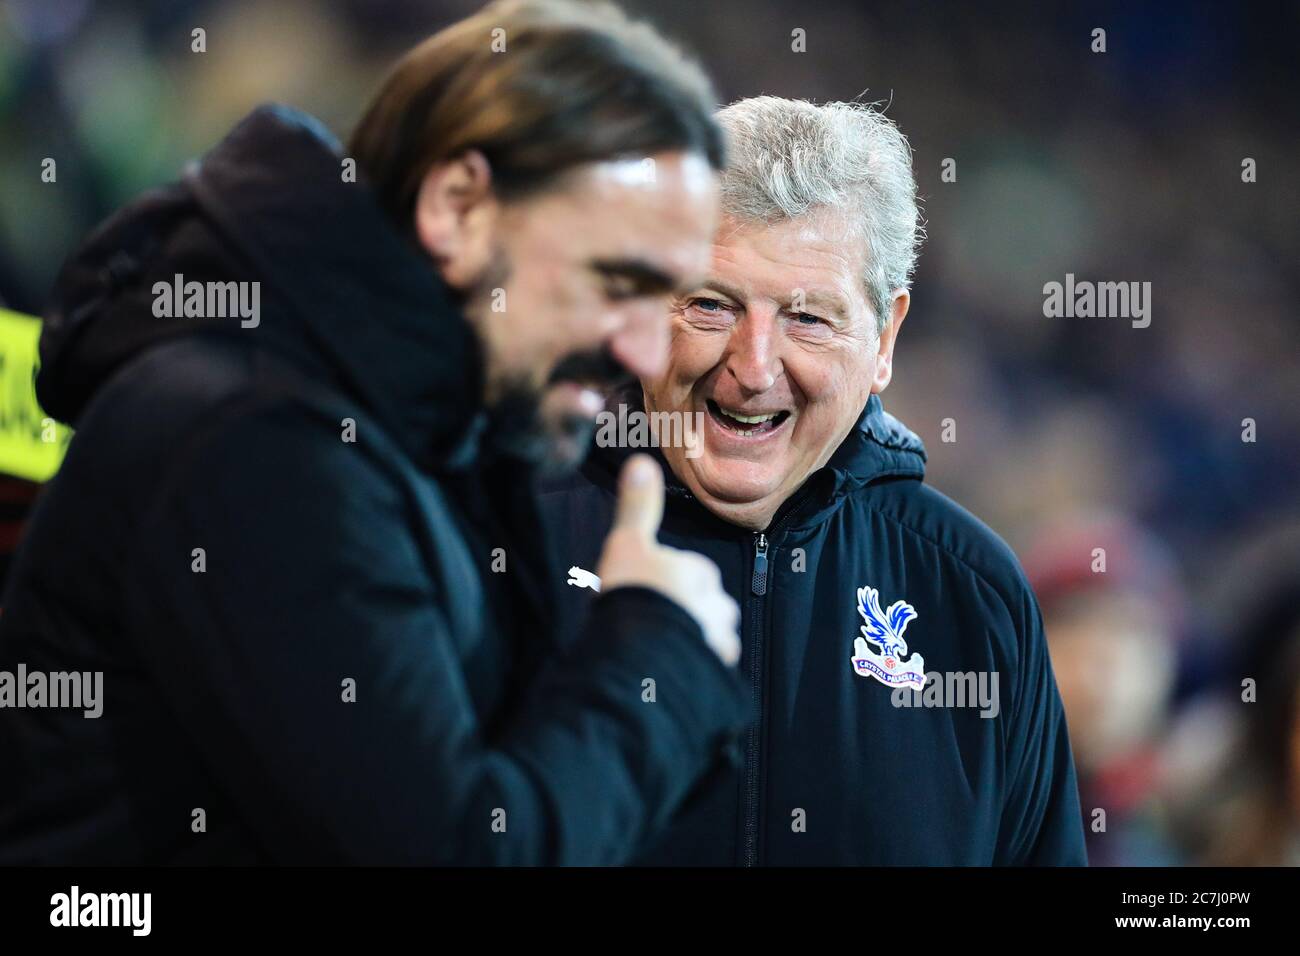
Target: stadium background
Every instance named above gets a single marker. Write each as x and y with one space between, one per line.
1070 434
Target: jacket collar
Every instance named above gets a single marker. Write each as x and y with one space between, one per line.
879 446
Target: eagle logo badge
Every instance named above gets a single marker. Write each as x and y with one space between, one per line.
890 665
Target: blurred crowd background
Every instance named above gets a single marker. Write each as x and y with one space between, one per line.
1066 435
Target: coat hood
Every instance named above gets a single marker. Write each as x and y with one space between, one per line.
342 292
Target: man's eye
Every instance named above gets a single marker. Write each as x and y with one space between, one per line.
804 318
704 308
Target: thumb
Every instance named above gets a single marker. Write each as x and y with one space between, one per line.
640 497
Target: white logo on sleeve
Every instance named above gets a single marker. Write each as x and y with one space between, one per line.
885 630
583 579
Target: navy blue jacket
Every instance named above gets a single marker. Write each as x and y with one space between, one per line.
339 650
836 772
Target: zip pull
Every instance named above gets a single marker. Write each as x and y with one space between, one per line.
758 582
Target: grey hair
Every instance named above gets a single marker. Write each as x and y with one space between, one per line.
787 158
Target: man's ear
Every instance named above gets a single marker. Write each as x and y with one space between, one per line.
888 336
456 214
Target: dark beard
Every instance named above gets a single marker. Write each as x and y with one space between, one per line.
595 368
554 442
518 428
519 422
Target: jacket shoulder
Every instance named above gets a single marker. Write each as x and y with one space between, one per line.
944 525
202 399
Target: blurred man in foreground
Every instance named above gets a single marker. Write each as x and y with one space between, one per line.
909 714
293 538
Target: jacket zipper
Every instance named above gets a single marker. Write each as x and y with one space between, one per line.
758 581
754 622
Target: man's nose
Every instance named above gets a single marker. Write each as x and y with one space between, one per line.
752 358
641 343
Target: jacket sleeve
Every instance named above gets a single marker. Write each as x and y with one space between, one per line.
1041 821
313 589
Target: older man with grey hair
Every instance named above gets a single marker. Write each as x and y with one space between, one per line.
909 714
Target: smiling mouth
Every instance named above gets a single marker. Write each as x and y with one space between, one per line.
746 425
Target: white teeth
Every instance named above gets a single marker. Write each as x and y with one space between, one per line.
749 419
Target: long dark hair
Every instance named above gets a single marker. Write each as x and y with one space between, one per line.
539 87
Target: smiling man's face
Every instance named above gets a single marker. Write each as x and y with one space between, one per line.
779 349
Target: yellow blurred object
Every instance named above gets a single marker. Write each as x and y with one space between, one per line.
31 443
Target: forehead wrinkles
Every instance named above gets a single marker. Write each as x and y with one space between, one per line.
796 258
